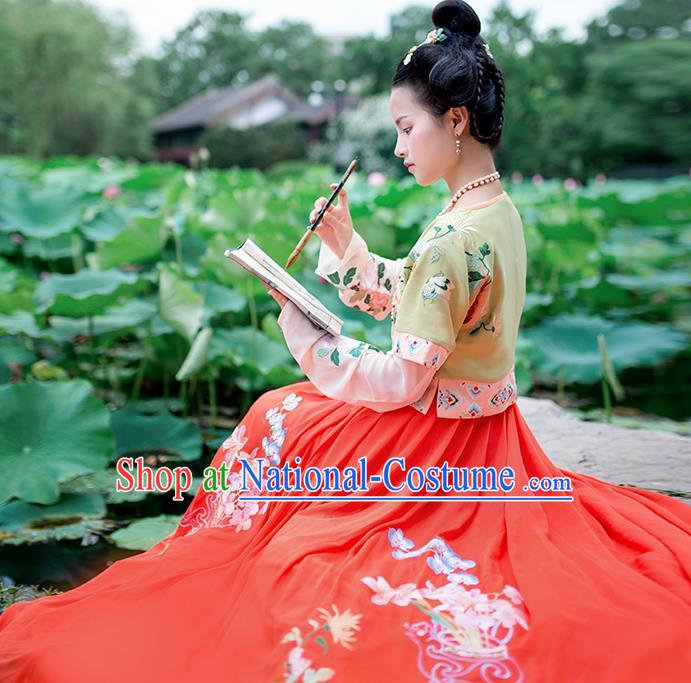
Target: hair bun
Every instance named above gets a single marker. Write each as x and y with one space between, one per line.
457 16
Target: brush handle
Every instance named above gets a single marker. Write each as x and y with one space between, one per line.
303 241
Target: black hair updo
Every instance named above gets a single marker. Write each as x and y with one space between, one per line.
457 72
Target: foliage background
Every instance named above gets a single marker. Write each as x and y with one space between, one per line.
618 102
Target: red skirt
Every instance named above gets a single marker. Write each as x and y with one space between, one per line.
594 588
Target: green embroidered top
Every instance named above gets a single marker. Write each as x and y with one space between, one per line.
455 303
462 286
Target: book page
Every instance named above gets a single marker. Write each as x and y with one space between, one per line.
267 270
265 260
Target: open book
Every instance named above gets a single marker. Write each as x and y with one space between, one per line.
253 259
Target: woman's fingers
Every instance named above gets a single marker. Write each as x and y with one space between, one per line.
342 195
319 203
329 223
314 212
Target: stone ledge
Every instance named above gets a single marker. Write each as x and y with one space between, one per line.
646 458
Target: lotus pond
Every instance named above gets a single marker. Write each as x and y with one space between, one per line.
125 331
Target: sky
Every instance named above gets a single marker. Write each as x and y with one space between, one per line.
157 20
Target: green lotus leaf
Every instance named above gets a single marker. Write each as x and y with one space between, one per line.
196 359
152 178
271 328
107 223
219 299
192 248
42 213
87 176
114 319
563 223
137 434
84 293
248 347
231 211
141 240
648 246
103 482
159 327
19 300
61 246
19 322
659 281
218 268
179 304
8 275
13 351
50 432
144 533
74 515
651 203
570 342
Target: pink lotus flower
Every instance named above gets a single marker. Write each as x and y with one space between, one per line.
111 191
600 178
16 238
376 179
570 184
517 177
537 179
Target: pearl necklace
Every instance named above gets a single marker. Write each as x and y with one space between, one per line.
467 187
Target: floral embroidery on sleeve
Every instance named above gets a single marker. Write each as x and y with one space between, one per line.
364 280
466 631
480 266
432 295
333 349
445 287
437 285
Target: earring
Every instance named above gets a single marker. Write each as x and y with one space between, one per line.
458 144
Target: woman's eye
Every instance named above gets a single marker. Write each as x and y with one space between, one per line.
405 130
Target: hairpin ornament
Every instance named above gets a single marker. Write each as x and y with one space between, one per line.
434 36
437 36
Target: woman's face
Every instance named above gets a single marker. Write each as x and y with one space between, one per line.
422 140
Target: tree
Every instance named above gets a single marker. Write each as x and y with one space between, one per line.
66 79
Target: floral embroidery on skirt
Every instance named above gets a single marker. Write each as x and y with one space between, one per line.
226 508
467 631
337 628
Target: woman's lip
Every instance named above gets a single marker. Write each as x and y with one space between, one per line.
411 166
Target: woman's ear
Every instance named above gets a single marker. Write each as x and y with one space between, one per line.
459 117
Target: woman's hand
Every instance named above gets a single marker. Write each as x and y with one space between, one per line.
276 295
335 228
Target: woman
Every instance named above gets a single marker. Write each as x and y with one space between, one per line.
592 585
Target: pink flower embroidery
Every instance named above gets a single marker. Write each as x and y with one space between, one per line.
384 593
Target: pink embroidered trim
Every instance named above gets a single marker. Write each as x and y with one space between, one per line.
457 398
417 349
